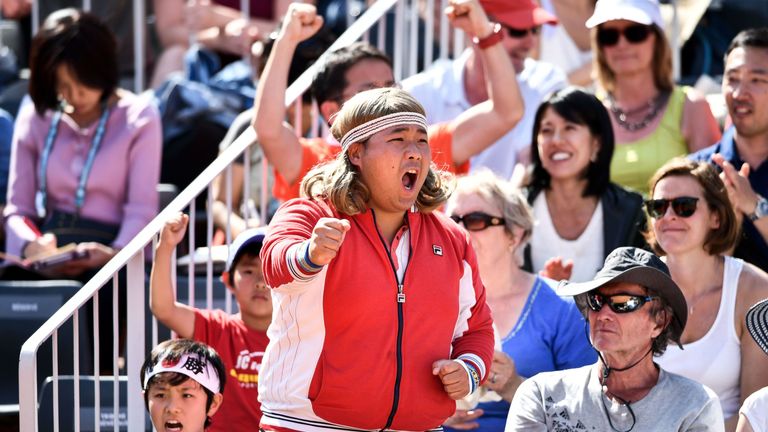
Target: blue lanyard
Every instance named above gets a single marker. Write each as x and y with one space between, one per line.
41 196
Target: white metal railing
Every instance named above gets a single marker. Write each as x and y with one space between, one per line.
131 259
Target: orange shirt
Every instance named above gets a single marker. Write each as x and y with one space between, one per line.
318 150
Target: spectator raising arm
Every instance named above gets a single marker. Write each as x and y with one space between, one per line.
280 144
178 317
483 124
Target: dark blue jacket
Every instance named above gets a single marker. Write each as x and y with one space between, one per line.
623 220
751 247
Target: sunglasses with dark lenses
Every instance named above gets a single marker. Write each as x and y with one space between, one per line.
619 303
477 221
521 33
633 34
682 206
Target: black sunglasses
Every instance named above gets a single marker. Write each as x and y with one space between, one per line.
619 303
633 34
684 206
521 33
477 221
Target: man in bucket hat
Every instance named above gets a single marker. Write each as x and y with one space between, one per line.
449 88
634 309
753 415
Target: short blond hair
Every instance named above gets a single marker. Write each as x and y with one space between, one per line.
339 181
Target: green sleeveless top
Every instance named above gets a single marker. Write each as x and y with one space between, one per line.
635 162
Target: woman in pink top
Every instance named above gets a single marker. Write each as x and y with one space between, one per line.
85 158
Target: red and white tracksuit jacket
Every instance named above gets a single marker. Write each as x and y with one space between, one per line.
351 347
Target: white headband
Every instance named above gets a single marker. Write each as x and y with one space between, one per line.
193 366
368 129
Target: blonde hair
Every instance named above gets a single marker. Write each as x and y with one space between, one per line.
339 181
661 63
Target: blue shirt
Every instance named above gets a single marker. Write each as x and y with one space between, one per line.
751 247
549 335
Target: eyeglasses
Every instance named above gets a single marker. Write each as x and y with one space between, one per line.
478 221
684 206
634 34
521 33
619 303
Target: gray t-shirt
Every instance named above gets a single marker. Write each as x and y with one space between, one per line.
569 401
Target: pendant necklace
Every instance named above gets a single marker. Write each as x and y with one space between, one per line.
652 108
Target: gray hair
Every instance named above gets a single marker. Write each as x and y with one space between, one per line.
493 189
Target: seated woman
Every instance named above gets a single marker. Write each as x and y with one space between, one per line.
653 119
539 331
581 216
692 224
85 155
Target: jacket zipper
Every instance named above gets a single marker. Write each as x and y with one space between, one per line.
400 300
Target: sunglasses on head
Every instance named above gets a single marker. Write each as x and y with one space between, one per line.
633 34
477 221
682 206
619 303
521 33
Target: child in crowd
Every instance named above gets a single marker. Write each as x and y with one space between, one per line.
182 385
241 339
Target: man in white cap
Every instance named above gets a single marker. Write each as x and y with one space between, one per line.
634 309
449 88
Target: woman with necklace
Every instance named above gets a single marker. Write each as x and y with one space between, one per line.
653 119
86 155
693 225
538 330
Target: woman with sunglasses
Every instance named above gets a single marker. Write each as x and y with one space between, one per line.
538 330
581 215
653 119
693 225
635 312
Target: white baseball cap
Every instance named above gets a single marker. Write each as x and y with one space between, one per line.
640 11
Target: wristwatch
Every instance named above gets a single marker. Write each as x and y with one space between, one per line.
492 39
761 209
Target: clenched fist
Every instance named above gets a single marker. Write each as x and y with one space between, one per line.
327 237
300 22
453 376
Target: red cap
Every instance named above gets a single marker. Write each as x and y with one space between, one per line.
518 14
